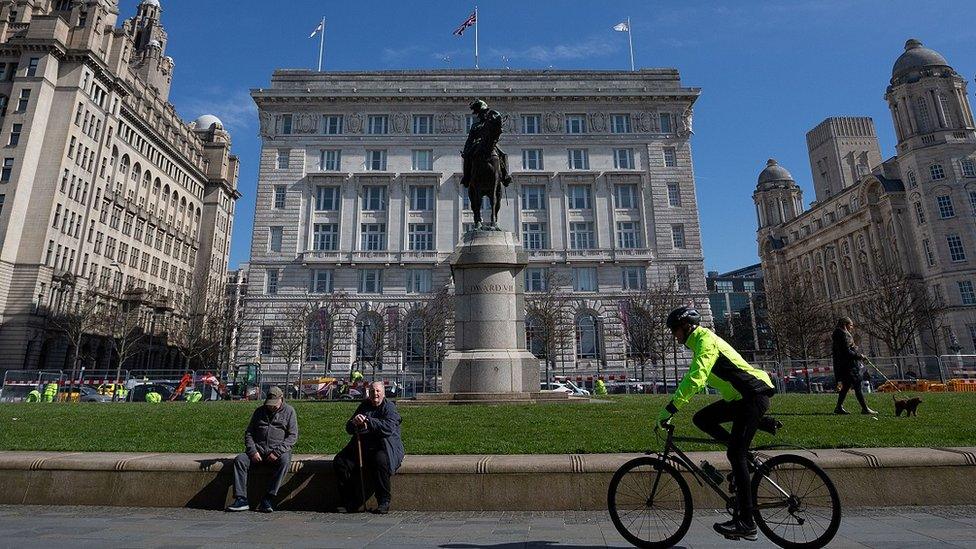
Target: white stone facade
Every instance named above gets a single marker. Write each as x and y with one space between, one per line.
359 179
918 207
103 184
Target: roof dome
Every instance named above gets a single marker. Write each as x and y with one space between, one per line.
155 44
206 122
774 172
150 3
917 56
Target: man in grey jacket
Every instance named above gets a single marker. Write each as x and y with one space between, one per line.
268 440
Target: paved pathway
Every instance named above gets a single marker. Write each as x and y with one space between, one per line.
28 526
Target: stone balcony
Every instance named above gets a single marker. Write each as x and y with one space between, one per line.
596 254
371 257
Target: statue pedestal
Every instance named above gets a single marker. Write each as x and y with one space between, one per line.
489 329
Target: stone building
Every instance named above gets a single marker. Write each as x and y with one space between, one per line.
738 305
917 207
102 183
359 192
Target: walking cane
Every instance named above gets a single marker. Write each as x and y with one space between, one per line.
362 482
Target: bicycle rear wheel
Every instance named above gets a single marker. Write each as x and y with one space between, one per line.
797 505
649 503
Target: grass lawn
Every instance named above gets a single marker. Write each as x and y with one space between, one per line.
623 424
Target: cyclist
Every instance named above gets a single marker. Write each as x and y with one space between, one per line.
745 395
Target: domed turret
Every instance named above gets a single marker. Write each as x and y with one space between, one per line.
773 173
207 121
915 58
149 3
778 198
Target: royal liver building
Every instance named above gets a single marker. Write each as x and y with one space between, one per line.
359 193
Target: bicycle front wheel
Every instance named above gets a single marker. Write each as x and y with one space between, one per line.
649 503
797 505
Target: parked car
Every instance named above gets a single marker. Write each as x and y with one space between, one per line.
90 394
166 390
566 386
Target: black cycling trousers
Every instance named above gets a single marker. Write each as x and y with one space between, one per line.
747 416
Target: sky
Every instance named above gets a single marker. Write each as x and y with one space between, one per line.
768 71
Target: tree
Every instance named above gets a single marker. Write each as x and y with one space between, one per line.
548 320
799 323
437 316
643 315
196 328
289 343
76 318
329 321
124 324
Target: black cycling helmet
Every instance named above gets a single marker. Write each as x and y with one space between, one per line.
687 314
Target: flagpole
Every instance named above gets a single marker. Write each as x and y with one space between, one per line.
322 44
476 37
630 39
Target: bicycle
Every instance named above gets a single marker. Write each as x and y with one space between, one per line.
650 502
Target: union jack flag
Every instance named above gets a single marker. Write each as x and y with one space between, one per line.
470 21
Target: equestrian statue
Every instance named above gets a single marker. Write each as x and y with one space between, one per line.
485 165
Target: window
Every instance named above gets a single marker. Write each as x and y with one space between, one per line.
24 100
968 167
956 251
750 285
15 135
283 158
619 123
535 279
8 167
330 160
373 237
674 195
374 198
628 234
919 213
286 124
579 159
422 160
623 159
279 196
584 279
274 239
370 281
421 237
32 66
946 109
533 197
532 159
3 198
326 198
912 180
579 197
267 339
378 124
421 198
321 281
332 124
376 160
678 236
945 206
626 196
271 280
724 286
966 292
534 236
670 157
922 114
581 236
665 118
633 278
586 337
531 123
423 123
972 201
575 123
682 278
936 172
325 236
419 281
929 256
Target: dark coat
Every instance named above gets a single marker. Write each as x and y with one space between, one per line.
271 431
846 355
382 431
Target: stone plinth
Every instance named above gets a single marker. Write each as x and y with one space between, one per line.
489 329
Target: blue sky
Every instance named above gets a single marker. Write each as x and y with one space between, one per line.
769 71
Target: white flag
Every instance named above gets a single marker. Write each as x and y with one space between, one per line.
318 29
621 27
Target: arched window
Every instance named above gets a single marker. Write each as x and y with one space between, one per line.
124 165
415 339
922 117
534 336
369 336
315 350
833 282
157 184
115 157
946 109
136 172
146 180
912 180
587 340
849 275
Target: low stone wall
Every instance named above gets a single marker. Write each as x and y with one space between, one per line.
864 477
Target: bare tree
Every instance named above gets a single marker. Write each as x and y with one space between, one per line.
896 306
294 319
643 315
74 319
437 316
800 324
548 318
196 327
328 321
123 323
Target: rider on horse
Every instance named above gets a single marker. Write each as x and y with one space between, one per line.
482 142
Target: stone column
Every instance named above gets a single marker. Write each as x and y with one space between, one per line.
489 330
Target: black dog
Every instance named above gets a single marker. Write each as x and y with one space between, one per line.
909 406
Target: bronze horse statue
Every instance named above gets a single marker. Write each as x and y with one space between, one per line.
485 165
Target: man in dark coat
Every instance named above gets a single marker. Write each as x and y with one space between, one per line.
268 441
376 422
847 367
